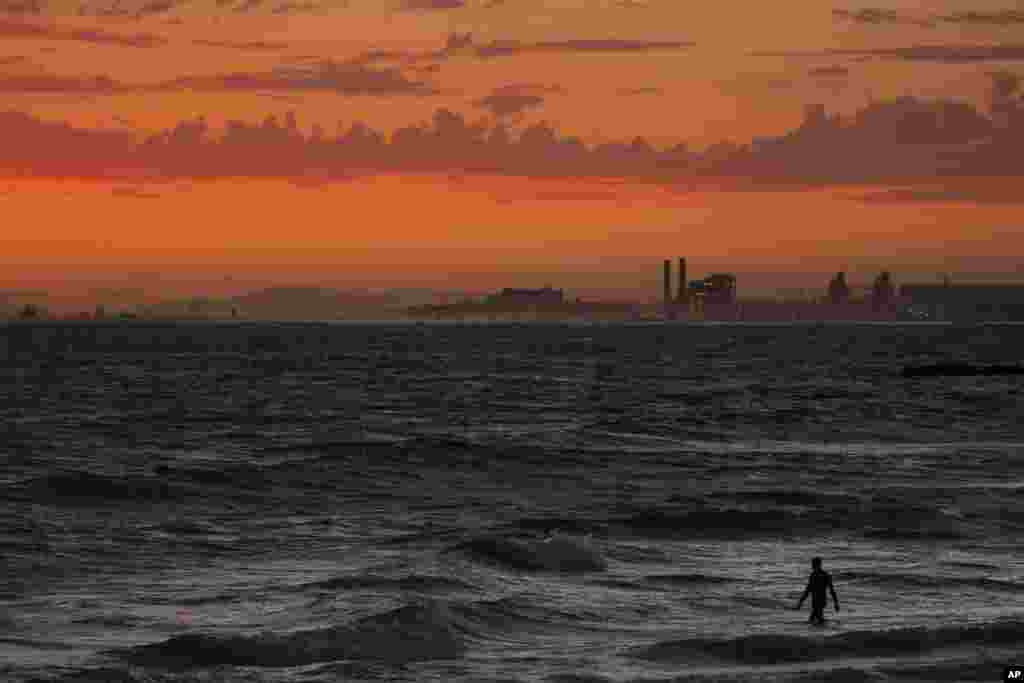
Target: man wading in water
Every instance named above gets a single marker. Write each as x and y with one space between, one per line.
817 584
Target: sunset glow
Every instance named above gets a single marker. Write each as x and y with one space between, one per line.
682 80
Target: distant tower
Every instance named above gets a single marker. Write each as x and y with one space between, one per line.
838 290
882 291
682 292
668 281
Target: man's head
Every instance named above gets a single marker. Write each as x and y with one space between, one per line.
816 563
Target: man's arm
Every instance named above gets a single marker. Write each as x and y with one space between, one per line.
807 591
832 589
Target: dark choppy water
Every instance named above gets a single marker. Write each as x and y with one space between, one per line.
499 502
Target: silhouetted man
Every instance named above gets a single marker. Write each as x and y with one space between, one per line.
817 584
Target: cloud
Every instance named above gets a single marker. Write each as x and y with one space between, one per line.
17 29
507 48
529 89
156 7
515 98
878 16
948 54
134 193
1007 17
463 44
48 83
505 105
573 195
297 7
969 195
248 5
21 6
457 41
375 56
250 45
829 72
895 142
640 91
433 4
345 79
13 59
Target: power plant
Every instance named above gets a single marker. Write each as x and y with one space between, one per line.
716 288
682 295
714 298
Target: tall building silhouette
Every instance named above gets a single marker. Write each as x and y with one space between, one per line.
882 291
682 293
667 282
838 290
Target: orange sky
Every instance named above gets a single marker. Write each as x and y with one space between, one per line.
431 230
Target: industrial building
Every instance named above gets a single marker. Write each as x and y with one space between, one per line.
545 296
966 302
715 289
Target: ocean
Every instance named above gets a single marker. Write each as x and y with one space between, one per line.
507 502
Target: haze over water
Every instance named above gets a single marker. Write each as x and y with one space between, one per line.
441 502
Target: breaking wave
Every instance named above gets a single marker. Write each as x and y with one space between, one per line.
409 633
774 648
555 553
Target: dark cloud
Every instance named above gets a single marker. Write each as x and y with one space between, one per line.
640 91
433 4
156 7
968 195
893 142
505 105
463 44
13 59
346 79
529 89
251 45
17 29
515 98
134 193
290 99
508 48
21 7
949 54
457 41
376 56
829 72
248 6
47 83
297 7
1007 17
878 16
573 195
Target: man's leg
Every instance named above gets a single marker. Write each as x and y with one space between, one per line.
817 614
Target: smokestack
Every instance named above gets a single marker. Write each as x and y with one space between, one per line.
681 294
668 281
